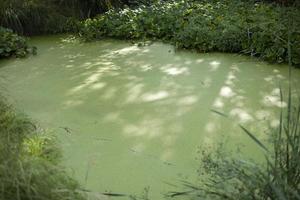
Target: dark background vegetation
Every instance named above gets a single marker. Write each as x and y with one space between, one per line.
267 29
31 17
264 30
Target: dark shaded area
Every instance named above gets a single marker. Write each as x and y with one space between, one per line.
54 16
14 45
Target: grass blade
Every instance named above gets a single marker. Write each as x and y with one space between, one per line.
219 113
254 138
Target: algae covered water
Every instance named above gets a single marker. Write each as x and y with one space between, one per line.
132 118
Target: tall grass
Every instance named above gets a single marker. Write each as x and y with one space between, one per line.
29 162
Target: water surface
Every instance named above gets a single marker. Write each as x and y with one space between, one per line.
132 117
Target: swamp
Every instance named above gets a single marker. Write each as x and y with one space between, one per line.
149 100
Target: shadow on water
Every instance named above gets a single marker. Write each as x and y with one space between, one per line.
130 117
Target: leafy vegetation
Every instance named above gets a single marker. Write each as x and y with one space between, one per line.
256 29
12 44
29 162
32 17
38 16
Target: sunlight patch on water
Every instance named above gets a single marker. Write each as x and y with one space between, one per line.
167 155
214 65
226 92
262 114
134 92
150 128
275 123
218 103
273 99
242 115
174 71
98 86
188 100
198 61
211 127
127 50
145 68
148 97
72 103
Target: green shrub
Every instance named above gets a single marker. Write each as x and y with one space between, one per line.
13 45
256 29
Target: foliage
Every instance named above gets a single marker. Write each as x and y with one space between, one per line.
29 162
257 29
13 45
33 17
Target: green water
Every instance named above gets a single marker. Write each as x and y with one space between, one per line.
131 117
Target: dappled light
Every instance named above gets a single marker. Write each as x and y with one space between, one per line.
142 108
214 65
273 99
226 92
241 114
174 71
148 128
188 100
148 97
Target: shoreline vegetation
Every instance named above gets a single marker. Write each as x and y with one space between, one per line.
30 159
14 45
233 26
255 28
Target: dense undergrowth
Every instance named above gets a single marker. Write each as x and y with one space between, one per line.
12 44
33 17
29 162
257 29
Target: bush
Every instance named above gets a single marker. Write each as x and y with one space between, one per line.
13 45
257 29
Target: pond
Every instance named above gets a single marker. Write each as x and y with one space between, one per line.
130 117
